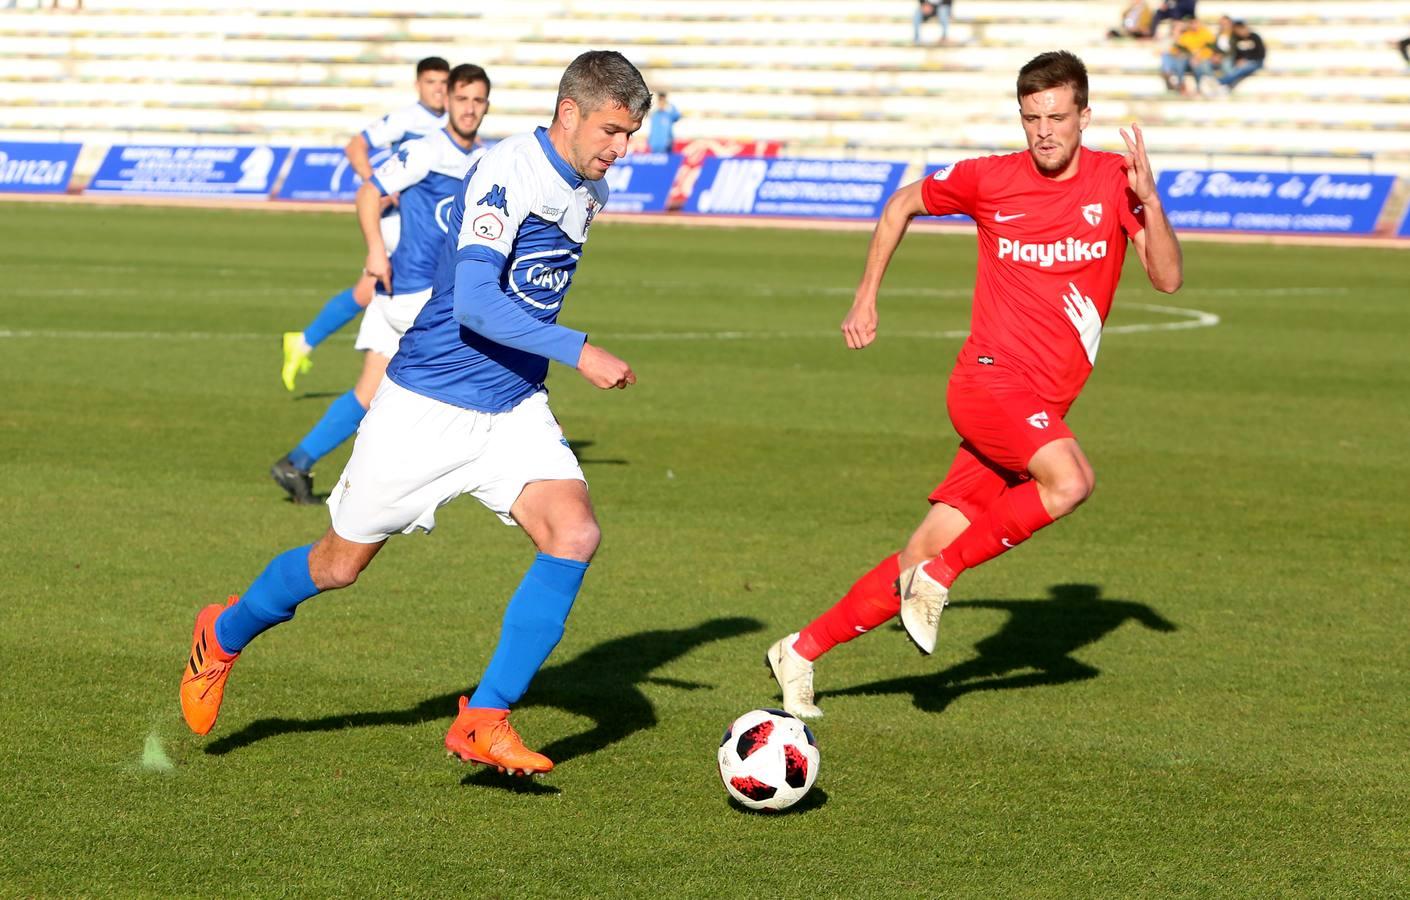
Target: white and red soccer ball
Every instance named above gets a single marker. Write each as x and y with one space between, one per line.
768 759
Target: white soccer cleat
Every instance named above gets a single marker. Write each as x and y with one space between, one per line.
923 599
794 675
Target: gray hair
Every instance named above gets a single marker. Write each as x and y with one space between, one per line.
598 78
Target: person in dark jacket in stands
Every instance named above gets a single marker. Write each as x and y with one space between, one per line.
1249 54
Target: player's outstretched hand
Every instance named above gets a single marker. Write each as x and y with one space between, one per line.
860 325
379 267
603 369
1138 166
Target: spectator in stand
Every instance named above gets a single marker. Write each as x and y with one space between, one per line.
938 10
1174 10
1135 22
663 124
1192 49
1405 49
1249 54
1220 60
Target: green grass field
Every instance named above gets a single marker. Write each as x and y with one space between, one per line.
1196 686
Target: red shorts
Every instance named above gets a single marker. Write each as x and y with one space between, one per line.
1001 423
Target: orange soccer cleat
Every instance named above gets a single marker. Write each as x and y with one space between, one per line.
203 680
485 736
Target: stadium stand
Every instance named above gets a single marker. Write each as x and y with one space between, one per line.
836 78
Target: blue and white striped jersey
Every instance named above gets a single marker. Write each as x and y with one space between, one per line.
517 230
428 173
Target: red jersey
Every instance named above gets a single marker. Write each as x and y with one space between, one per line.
1050 256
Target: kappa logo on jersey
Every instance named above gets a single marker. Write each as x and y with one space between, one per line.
1092 212
402 154
488 227
541 279
1045 255
1039 420
495 197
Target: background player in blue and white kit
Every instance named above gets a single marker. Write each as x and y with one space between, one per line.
425 116
427 172
463 410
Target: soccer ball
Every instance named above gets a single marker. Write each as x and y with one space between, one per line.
768 759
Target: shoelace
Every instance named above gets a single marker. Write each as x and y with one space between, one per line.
212 675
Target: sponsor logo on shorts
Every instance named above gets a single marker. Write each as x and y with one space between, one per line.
1045 255
1039 419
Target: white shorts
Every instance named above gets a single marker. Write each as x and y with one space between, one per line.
391 231
413 455
386 319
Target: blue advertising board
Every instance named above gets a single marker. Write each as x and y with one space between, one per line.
642 182
323 173
246 172
1294 202
1404 225
930 171
36 168
827 188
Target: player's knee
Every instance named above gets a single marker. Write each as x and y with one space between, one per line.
578 540
1065 494
332 572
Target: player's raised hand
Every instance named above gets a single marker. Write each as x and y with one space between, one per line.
859 328
603 369
379 267
1138 166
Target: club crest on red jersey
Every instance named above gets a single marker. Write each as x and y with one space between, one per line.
1092 212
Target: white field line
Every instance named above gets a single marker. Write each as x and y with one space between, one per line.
1185 318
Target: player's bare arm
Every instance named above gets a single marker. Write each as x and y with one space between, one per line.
358 154
1156 244
603 369
369 214
859 327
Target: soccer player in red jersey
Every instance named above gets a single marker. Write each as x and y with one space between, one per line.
1053 223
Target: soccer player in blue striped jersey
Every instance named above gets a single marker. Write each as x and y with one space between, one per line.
463 410
426 173
426 116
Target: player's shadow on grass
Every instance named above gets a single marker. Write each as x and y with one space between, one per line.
1033 648
579 446
601 684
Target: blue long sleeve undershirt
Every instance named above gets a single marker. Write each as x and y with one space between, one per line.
482 307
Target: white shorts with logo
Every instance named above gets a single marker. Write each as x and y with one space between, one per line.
413 455
386 319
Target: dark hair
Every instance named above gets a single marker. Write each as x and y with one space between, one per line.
599 77
467 73
432 64
1054 69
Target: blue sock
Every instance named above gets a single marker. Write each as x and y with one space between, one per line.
533 625
337 425
337 312
283 585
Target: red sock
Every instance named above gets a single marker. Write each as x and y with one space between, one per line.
1009 521
871 601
